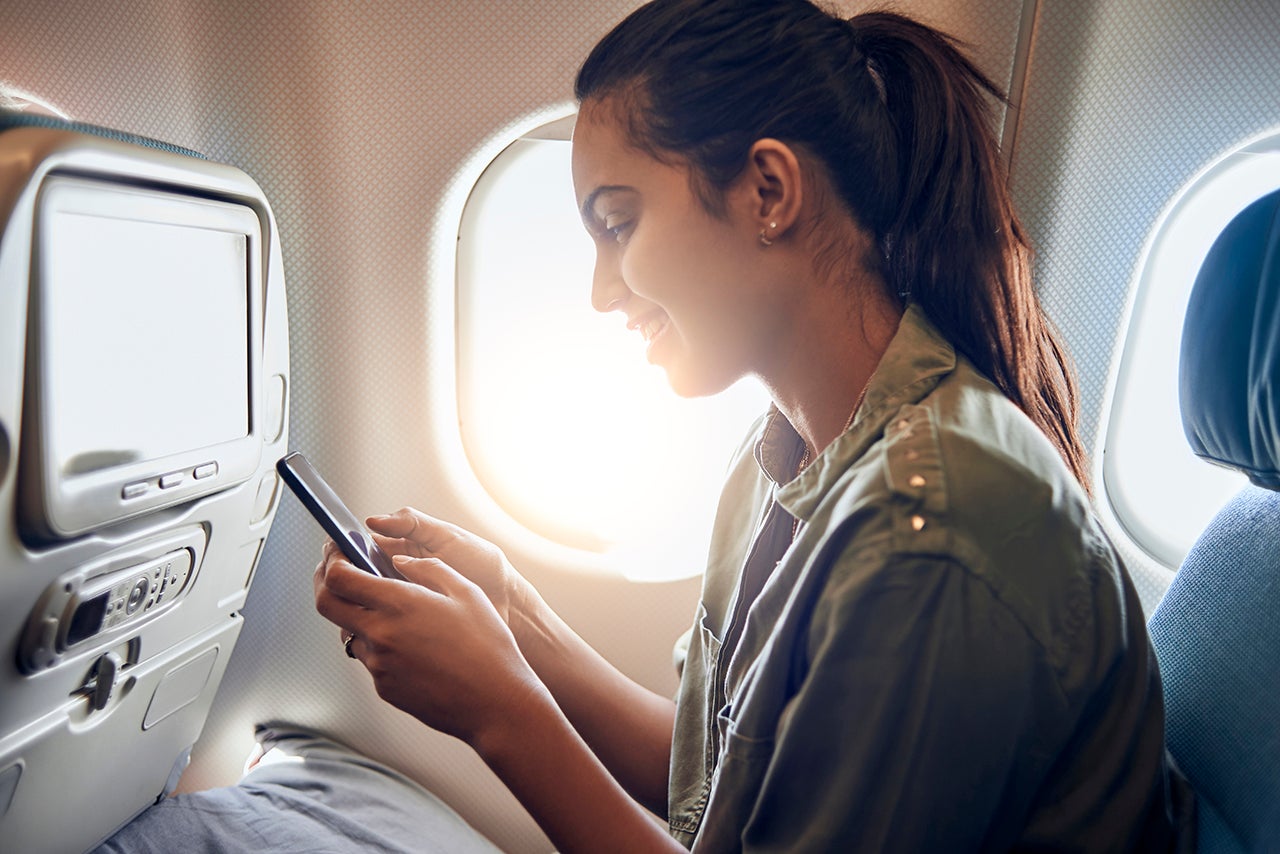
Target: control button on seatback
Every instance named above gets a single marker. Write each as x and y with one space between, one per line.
138 594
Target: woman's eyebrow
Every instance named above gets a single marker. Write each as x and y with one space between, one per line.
588 204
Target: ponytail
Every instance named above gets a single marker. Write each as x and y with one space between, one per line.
901 120
949 236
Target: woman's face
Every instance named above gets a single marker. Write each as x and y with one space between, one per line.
688 281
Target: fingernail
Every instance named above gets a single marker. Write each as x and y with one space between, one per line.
400 558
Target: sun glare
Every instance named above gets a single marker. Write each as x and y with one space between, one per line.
565 424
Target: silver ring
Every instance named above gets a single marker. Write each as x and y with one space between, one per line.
346 645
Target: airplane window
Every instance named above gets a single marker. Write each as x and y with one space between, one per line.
564 423
1162 494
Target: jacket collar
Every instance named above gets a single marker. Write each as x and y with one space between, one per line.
916 360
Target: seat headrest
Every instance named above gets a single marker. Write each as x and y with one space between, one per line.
1229 380
10 119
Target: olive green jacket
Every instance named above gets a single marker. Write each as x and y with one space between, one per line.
948 657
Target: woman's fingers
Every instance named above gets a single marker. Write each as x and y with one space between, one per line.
345 595
334 607
435 645
433 574
337 578
384 622
415 526
415 534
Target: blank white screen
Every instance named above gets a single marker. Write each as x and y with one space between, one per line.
146 351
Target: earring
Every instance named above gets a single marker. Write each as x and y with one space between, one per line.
764 235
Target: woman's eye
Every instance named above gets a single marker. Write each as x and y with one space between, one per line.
619 231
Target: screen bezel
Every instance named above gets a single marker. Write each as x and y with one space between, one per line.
64 506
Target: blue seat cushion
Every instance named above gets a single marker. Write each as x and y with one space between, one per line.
1217 638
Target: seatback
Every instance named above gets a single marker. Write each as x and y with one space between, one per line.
1217 630
143 378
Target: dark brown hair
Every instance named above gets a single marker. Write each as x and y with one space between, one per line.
903 123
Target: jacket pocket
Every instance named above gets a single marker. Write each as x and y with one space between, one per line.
693 744
739 777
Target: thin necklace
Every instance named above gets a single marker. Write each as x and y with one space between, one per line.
857 404
804 459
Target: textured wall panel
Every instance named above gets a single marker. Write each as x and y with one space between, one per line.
1125 103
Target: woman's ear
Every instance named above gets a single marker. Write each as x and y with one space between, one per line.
774 185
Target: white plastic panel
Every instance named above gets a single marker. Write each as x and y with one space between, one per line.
73 721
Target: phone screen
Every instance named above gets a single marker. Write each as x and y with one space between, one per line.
338 522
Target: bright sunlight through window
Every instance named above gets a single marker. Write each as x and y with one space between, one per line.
566 425
1163 494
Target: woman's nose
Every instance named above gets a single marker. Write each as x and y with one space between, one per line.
608 291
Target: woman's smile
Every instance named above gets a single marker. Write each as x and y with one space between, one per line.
689 281
650 326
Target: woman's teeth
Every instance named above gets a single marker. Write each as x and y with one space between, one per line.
650 329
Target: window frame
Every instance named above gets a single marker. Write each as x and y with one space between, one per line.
1166 272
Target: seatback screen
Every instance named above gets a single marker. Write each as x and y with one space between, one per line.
143 352
147 339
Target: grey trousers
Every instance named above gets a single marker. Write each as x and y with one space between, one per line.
318 797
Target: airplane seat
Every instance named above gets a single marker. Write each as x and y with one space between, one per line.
143 384
1216 632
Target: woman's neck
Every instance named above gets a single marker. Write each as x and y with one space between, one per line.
822 374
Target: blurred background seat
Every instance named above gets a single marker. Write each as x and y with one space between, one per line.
1217 630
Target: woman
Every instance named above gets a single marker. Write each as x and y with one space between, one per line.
913 634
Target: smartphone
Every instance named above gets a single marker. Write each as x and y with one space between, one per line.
338 522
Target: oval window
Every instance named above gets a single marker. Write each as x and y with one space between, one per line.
1162 494
564 423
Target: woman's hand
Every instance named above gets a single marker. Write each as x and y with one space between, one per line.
436 648
414 533
468 647
459 648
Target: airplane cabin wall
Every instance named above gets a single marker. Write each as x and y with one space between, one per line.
1124 104
355 118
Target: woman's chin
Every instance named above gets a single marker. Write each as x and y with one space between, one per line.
690 383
